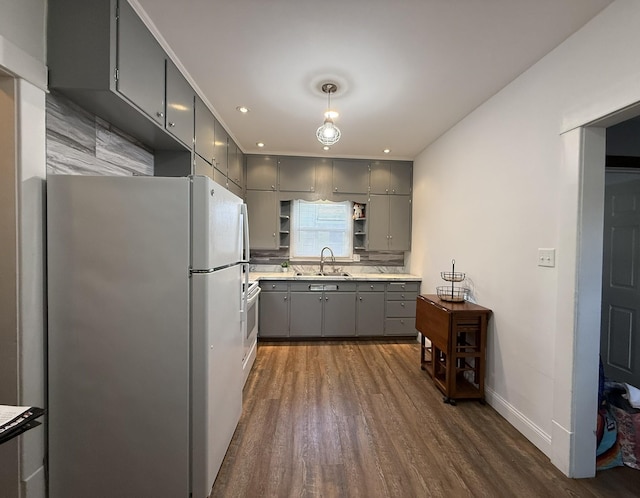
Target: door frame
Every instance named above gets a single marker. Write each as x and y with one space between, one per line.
580 237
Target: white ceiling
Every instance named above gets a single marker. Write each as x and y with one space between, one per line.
407 70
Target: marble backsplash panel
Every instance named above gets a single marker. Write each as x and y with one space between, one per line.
385 259
80 143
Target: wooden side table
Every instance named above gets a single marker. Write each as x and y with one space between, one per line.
458 335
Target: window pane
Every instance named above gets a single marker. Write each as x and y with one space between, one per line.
319 224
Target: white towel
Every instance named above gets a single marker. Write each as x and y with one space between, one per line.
633 393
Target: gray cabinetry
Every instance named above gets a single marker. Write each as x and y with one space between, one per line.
326 309
235 160
102 56
297 174
180 102
350 176
220 159
262 172
400 308
274 310
306 313
389 222
391 177
202 167
204 131
141 59
370 309
263 219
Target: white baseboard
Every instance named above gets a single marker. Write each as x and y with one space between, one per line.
530 430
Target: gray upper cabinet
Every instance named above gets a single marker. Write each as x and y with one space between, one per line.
180 101
350 176
202 167
262 172
263 219
220 153
391 177
204 131
234 163
389 223
141 71
102 56
297 174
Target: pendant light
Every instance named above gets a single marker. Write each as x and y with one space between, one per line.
328 133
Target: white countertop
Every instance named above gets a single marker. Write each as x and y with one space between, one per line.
291 275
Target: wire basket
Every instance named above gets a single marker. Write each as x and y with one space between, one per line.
452 276
452 293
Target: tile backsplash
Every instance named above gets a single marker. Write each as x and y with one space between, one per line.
81 143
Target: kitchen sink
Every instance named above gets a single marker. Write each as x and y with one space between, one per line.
323 274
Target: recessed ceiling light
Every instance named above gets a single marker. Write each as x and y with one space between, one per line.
242 109
260 144
386 151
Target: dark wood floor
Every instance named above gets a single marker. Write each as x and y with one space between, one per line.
360 419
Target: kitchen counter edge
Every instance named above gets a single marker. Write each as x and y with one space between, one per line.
358 277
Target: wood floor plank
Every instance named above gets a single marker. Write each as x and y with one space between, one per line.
360 419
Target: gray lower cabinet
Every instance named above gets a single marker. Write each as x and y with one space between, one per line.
370 309
400 308
263 219
274 310
325 309
389 219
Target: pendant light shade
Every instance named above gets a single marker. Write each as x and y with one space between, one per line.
328 133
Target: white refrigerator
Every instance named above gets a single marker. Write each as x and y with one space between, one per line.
145 328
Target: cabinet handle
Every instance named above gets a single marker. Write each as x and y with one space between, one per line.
393 191
402 296
402 322
386 190
171 125
320 298
160 114
326 298
402 304
371 286
335 189
273 286
285 298
360 299
274 234
273 187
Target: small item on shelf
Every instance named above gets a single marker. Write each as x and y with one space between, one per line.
284 266
358 211
452 293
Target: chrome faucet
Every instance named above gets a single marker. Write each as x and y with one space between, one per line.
333 258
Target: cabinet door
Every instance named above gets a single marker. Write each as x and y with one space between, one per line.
141 65
221 148
378 221
235 189
306 314
339 314
202 167
297 174
350 177
274 314
399 222
400 178
205 131
234 167
180 114
263 219
219 177
370 313
379 179
262 172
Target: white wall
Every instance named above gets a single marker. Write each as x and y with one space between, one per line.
497 187
22 54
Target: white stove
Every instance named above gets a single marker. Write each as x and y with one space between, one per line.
250 338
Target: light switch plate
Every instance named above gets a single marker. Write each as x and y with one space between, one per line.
547 257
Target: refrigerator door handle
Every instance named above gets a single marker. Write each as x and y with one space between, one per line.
244 290
244 215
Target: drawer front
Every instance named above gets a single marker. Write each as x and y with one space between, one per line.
400 326
402 296
267 286
319 286
401 308
403 286
371 287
